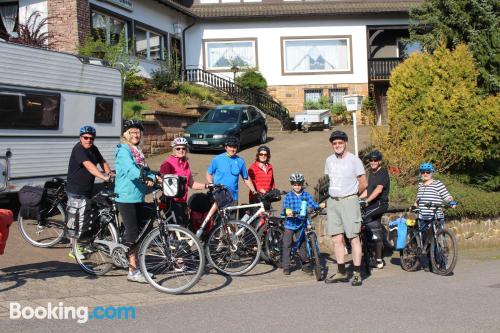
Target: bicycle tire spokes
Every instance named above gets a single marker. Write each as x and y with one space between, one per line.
46 232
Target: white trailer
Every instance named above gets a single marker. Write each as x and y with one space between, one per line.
45 97
312 118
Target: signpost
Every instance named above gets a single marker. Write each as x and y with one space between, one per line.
353 103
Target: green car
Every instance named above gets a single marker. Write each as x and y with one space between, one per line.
243 121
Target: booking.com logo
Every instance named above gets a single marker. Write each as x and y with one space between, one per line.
81 314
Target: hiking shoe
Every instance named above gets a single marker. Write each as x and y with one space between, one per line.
286 271
380 264
307 269
356 280
136 276
337 277
79 254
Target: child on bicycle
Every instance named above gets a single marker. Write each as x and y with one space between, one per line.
293 223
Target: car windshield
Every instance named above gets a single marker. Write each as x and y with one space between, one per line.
221 116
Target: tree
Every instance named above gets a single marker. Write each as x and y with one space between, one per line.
252 79
473 22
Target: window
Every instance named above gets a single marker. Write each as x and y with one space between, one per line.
316 55
312 95
406 48
29 110
336 95
8 19
245 117
108 28
222 55
254 113
103 110
148 44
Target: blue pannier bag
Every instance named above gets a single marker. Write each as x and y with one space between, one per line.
402 229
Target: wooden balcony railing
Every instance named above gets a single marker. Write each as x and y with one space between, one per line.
380 69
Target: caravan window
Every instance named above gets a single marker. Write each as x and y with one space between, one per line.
103 110
29 110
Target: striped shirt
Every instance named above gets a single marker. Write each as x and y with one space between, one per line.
434 193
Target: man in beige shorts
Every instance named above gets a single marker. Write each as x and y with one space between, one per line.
347 180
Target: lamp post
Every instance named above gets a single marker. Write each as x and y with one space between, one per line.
353 104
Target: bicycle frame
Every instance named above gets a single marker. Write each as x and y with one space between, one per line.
306 229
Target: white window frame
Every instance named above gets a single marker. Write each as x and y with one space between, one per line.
347 70
207 42
108 33
148 44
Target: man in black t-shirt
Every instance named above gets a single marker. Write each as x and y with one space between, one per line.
82 168
377 198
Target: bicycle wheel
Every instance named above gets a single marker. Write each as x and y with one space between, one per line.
313 242
233 248
367 252
175 258
273 245
47 232
94 258
409 256
444 252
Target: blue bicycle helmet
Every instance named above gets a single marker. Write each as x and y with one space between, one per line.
426 166
87 130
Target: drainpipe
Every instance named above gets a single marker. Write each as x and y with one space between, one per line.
184 48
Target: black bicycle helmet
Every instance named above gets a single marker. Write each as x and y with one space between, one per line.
375 155
338 135
232 141
264 148
132 123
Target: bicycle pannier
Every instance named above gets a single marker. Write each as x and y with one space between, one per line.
223 197
82 219
31 199
174 186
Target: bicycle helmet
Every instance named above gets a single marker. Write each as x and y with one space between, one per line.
180 141
338 135
264 148
87 130
426 166
296 178
232 141
375 155
132 123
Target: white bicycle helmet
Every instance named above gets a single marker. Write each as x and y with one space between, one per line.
180 141
296 178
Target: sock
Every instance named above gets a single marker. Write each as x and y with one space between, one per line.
357 269
341 268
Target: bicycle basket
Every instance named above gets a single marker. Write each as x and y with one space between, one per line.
174 186
32 200
223 197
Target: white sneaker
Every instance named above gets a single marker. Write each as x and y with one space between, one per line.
79 254
380 264
136 276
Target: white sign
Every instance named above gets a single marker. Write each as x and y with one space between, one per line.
127 4
353 102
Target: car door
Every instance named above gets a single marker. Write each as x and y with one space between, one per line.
257 123
246 127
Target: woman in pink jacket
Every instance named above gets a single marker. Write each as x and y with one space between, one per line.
177 164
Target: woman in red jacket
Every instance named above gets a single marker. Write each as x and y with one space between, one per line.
261 172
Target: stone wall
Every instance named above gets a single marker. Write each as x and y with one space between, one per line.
293 96
161 127
69 22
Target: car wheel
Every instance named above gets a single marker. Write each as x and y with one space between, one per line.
263 136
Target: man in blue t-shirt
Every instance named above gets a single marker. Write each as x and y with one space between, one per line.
227 167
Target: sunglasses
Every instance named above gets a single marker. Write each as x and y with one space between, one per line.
180 148
425 172
262 154
87 138
372 160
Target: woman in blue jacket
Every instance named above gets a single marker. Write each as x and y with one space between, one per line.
131 190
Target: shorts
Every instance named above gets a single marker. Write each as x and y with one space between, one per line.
343 216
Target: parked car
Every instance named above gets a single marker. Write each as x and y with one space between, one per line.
210 131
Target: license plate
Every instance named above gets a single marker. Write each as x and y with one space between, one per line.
200 142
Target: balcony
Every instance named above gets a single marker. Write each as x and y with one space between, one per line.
380 69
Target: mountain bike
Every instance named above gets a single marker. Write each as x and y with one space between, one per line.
274 239
49 229
171 258
430 237
232 247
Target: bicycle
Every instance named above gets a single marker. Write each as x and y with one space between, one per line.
274 238
171 258
231 247
49 230
426 237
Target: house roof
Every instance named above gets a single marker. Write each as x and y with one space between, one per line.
311 8
177 6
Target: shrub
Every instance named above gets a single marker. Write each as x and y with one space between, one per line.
132 109
33 32
167 74
433 106
252 79
322 104
203 94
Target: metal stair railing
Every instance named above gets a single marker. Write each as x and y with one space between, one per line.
263 101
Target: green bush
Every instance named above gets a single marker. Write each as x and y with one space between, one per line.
436 114
203 94
167 74
252 79
132 109
322 104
